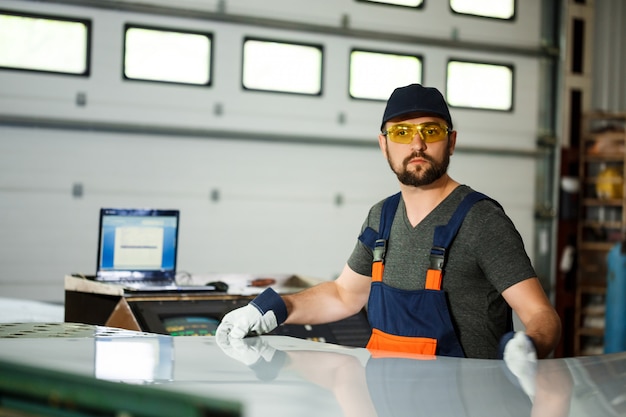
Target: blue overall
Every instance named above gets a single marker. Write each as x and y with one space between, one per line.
413 321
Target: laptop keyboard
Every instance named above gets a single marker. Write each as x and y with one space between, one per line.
137 284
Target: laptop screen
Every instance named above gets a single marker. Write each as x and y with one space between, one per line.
137 243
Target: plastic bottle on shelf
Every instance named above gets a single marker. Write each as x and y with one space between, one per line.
615 318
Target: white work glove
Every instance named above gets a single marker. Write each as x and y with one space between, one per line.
520 356
254 352
261 315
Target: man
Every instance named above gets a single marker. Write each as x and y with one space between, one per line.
421 297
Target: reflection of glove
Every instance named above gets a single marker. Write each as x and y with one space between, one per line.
520 356
254 352
261 315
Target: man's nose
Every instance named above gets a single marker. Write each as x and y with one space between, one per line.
418 142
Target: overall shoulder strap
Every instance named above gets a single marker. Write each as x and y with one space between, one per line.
369 235
390 206
444 236
378 241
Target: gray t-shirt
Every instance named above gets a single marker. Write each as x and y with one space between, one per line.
487 257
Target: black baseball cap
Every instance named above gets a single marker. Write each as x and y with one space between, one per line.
415 98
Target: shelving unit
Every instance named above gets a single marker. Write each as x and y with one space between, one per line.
601 220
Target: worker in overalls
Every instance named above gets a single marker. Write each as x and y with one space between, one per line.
438 265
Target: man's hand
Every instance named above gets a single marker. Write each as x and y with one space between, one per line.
520 357
261 315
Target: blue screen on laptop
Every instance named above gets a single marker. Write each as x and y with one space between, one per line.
132 240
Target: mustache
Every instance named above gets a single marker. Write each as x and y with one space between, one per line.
418 154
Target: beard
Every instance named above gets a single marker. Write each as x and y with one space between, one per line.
422 175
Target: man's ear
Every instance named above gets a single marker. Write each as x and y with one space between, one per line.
452 141
382 143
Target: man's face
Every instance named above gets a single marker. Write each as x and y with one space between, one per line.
418 163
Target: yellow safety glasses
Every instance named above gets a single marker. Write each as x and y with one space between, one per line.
405 132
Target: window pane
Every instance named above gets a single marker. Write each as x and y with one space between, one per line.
44 44
409 3
374 75
477 85
284 67
167 56
499 9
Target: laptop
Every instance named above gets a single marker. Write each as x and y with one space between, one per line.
137 248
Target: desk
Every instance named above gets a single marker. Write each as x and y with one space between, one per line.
96 303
